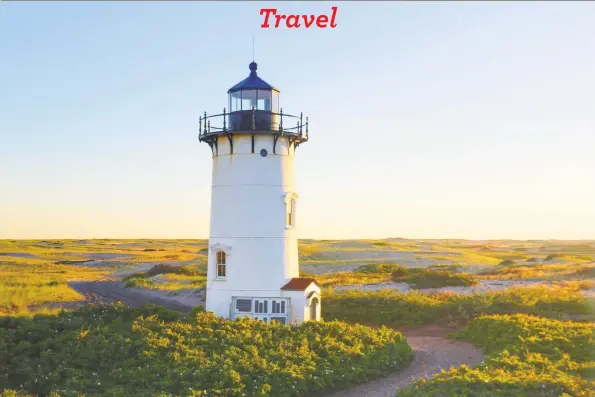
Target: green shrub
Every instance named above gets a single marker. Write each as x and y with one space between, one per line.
141 279
398 309
400 273
430 278
452 268
378 268
196 310
114 351
163 268
528 356
506 262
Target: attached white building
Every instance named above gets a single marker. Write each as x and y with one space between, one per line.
253 247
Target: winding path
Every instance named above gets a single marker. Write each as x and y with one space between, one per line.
433 351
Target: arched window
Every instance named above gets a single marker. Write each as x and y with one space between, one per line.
221 264
290 209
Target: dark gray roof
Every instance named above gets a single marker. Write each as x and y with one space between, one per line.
252 82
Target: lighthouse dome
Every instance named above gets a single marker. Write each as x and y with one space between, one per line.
252 82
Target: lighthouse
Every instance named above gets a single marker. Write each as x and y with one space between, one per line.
253 263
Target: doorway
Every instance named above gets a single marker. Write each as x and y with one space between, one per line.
314 309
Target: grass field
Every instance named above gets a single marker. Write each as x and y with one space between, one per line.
34 273
536 336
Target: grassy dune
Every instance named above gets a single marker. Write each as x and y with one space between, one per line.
34 273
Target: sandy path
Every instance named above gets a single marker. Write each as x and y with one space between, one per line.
432 353
113 291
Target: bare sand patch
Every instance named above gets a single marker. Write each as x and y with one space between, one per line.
100 255
18 254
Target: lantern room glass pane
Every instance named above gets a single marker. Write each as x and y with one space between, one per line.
264 100
249 99
235 101
275 102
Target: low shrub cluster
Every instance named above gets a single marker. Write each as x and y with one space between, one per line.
348 278
175 277
434 277
527 356
151 351
397 309
430 278
378 268
541 271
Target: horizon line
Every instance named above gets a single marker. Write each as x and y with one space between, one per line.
306 238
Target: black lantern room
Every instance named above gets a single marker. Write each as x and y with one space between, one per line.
253 107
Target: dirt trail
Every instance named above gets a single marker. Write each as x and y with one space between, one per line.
432 353
114 291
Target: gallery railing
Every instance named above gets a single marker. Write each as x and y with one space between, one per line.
256 121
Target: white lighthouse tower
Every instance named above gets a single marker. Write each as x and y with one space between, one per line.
253 247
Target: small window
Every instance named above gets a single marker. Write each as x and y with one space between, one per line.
260 306
244 305
278 307
221 264
291 213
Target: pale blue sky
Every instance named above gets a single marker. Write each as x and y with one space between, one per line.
438 120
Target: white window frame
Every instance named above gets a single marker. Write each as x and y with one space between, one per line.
215 250
290 200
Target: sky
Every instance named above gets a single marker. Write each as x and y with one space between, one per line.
427 120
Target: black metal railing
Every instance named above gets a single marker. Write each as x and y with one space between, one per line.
261 121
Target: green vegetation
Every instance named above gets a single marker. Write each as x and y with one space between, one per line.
31 288
113 351
348 278
432 278
528 356
541 271
378 268
172 278
395 309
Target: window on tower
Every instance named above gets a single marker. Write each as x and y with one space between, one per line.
291 212
221 264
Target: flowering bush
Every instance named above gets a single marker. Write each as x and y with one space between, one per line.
115 351
528 356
